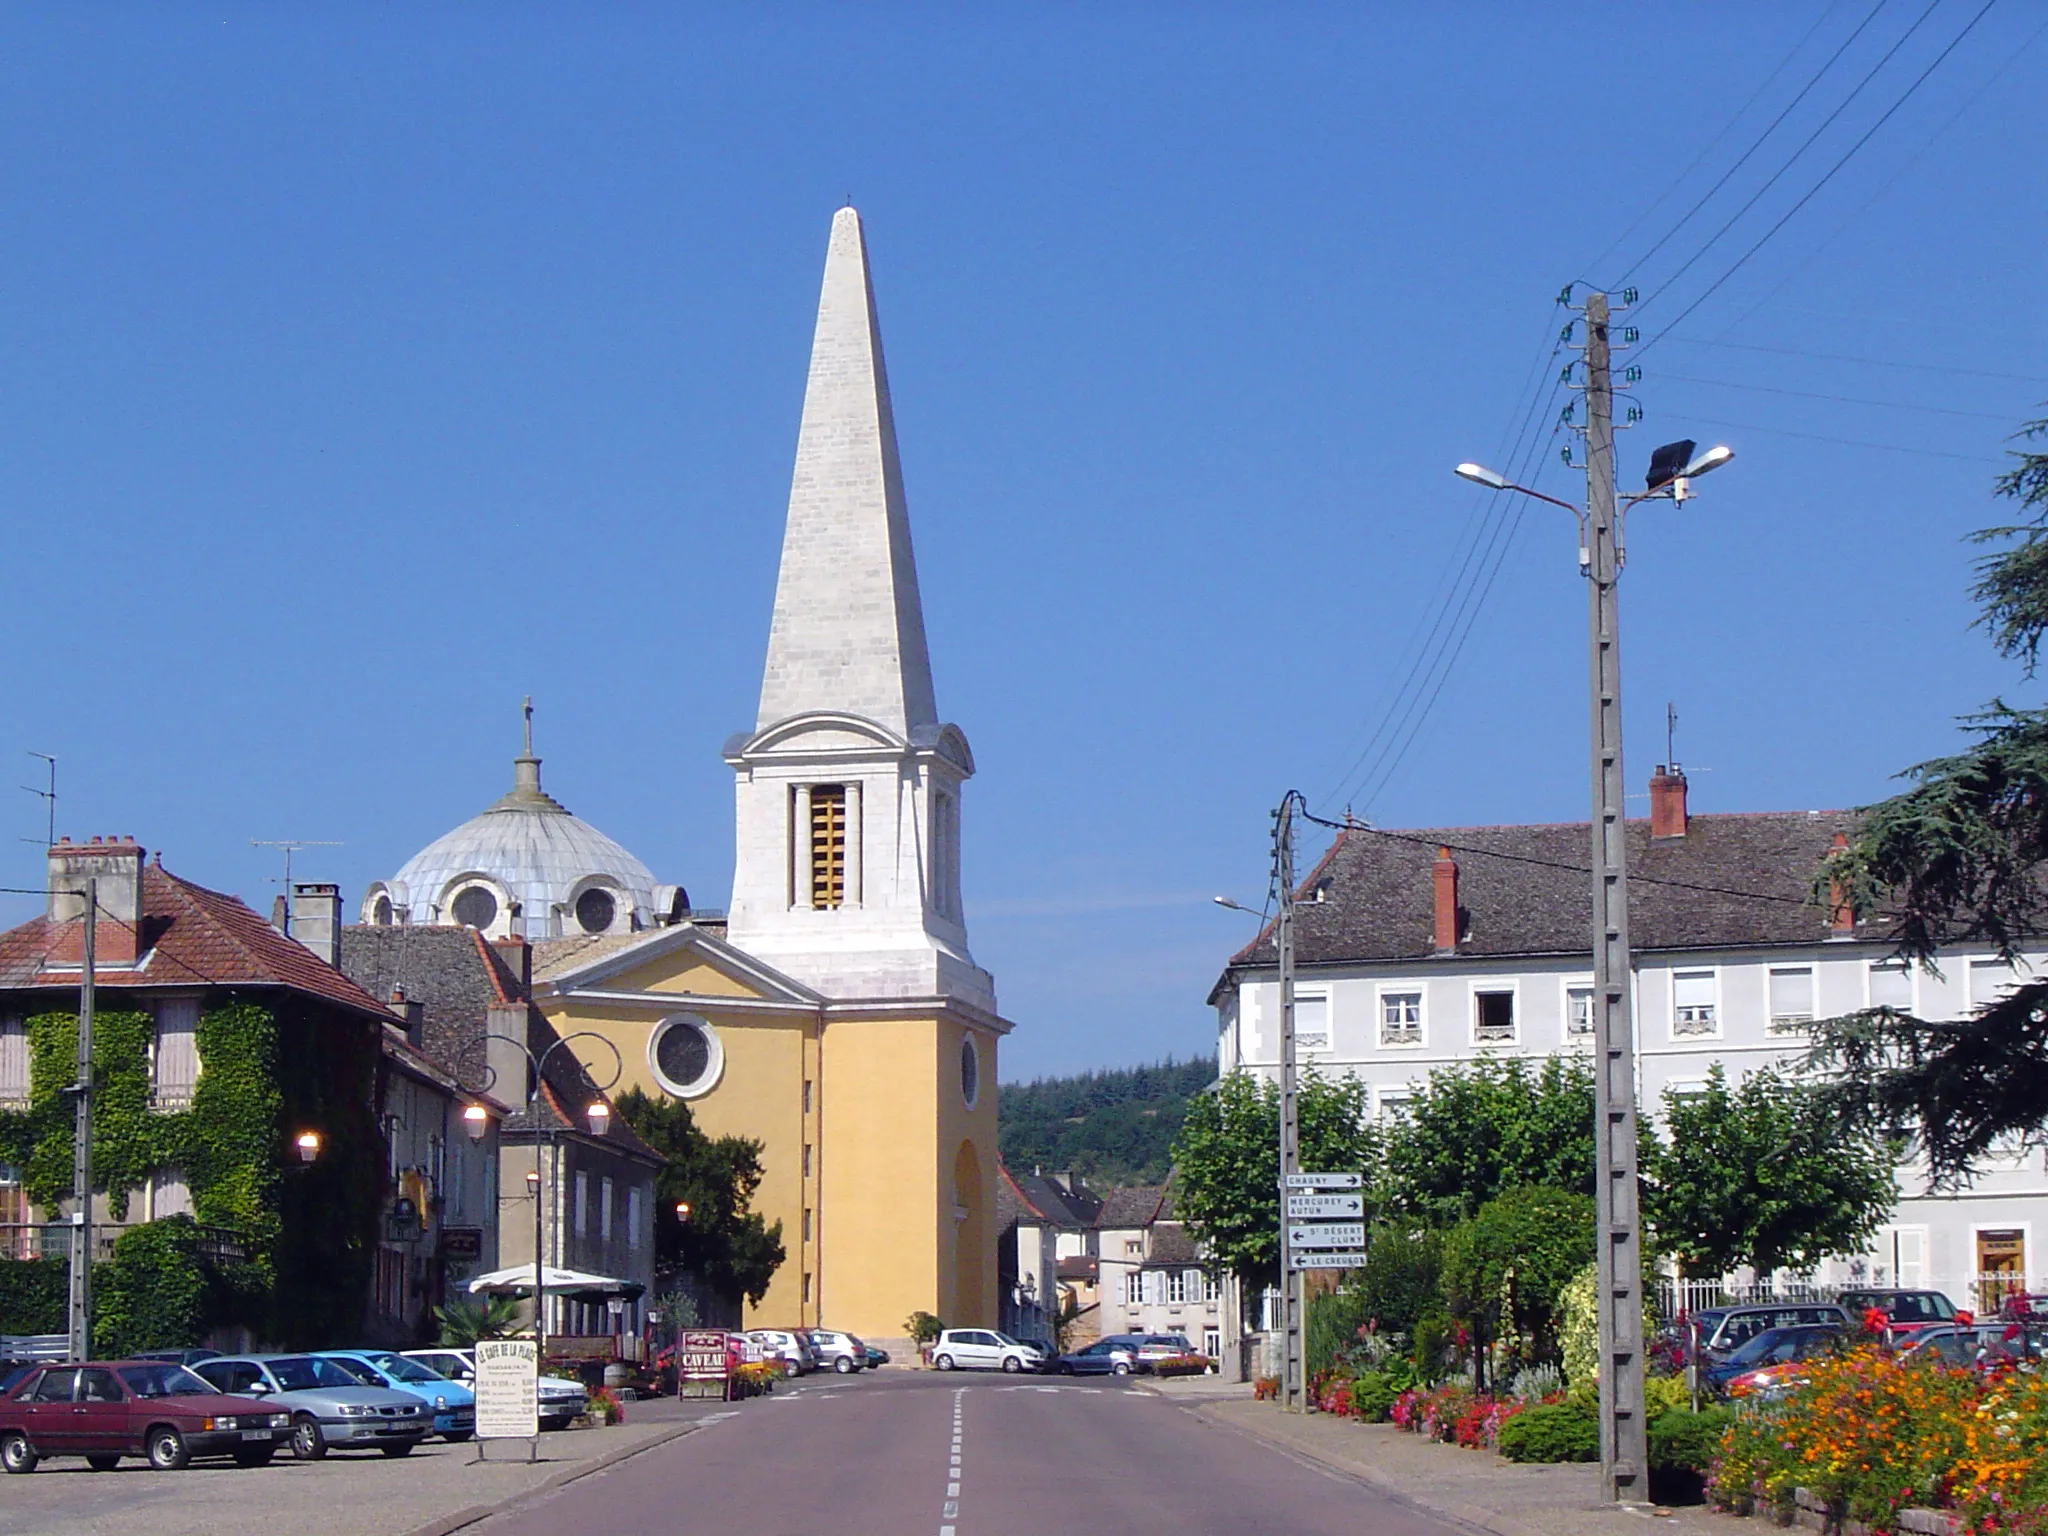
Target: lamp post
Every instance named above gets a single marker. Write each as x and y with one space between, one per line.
1624 1449
475 1118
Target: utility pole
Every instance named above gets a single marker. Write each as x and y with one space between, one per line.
1293 1392
80 1309
1624 1447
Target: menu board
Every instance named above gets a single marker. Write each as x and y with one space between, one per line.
702 1355
507 1389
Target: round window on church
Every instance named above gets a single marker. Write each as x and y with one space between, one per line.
970 1072
475 907
686 1056
595 910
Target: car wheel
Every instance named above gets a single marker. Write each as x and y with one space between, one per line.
103 1463
166 1449
397 1450
459 1436
308 1443
843 1365
1012 1365
942 1362
253 1456
16 1454
1121 1368
789 1369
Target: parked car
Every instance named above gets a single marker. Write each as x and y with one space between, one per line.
1907 1311
981 1349
1164 1346
1754 1362
1738 1325
454 1404
1979 1346
1116 1356
876 1358
153 1409
841 1351
786 1345
177 1356
328 1407
562 1399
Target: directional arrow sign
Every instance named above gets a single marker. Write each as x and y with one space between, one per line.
1328 1260
1327 1234
1311 1207
1324 1181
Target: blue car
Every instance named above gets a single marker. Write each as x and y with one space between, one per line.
454 1404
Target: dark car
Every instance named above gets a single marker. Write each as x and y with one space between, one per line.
1113 1356
876 1357
1738 1325
1979 1346
1771 1348
1907 1312
177 1356
104 1410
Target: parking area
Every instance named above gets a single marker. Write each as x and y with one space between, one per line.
344 1495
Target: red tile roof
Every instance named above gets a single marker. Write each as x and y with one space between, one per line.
189 935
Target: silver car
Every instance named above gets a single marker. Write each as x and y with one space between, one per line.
329 1408
841 1351
561 1399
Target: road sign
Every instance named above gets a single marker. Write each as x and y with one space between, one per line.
507 1388
1327 1234
1324 1181
1318 1207
1327 1260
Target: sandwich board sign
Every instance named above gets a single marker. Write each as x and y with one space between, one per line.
507 1389
703 1363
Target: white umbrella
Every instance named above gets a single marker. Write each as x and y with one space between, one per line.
520 1278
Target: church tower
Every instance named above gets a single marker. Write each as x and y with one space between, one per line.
848 875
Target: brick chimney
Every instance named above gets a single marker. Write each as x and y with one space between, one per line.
518 955
1445 880
1841 917
116 863
413 1011
316 918
1667 802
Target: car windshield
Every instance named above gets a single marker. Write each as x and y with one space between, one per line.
303 1373
1762 1347
1926 1307
402 1369
364 1373
165 1381
1004 1338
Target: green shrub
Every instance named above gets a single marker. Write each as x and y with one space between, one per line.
1684 1441
153 1293
1432 1354
1552 1432
1372 1396
35 1295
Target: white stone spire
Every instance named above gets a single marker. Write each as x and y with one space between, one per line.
848 631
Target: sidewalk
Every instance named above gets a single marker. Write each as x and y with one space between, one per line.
1476 1488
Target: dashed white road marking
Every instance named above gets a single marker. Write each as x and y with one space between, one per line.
950 1509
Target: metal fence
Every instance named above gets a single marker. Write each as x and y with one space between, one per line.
1981 1293
52 1240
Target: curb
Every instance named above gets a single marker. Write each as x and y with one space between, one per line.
446 1525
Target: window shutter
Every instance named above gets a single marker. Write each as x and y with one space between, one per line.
177 1049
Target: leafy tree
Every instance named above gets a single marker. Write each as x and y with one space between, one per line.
730 1246
1227 1163
1506 1267
1957 858
464 1321
1761 1175
1473 1131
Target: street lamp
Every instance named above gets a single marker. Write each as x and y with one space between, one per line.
600 1116
308 1145
682 1210
475 1121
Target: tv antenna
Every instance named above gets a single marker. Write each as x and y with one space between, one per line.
290 846
1671 736
48 796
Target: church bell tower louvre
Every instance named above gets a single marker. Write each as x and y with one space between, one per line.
849 787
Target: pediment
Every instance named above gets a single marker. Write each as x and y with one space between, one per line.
683 961
823 732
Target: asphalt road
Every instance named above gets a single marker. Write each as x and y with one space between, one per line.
956 1454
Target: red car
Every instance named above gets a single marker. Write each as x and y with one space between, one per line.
149 1408
1907 1312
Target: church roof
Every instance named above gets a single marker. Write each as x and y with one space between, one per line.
847 636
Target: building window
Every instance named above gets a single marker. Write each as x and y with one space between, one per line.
604 1210
1393 1102
381 913
807 1095
945 854
1212 1343
596 909
475 907
1133 1247
1791 998
1212 1287
176 1068
970 1072
1400 1018
1311 1021
807 1159
1134 1288
1891 985
686 1055
828 845
582 1205
1493 1017
1692 1003
636 1214
1578 1013
1176 1287
13 1059
807 1290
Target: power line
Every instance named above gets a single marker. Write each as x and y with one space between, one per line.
1845 442
1807 394
1868 362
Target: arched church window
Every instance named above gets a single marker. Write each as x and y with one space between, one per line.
686 1055
595 910
970 1071
381 913
475 907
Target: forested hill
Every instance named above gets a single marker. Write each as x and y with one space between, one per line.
1117 1127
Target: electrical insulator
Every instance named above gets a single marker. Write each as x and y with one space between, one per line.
1565 453
1565 377
1570 410
1564 294
1630 335
1631 375
1635 414
1628 295
1565 335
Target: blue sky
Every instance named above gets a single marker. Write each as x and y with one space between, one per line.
365 368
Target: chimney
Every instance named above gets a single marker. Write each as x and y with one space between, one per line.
1446 882
116 863
1667 802
505 1059
316 919
518 954
1841 917
413 1012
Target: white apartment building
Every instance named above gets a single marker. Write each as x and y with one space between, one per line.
1417 950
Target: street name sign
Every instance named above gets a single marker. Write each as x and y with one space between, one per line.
1318 1207
1327 1234
1326 1260
507 1389
1324 1181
